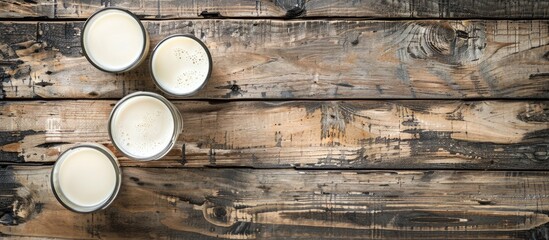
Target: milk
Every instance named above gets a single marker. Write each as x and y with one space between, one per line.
143 127
114 40
180 65
85 178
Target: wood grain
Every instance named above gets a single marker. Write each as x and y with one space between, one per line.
303 134
167 9
249 204
331 163
300 59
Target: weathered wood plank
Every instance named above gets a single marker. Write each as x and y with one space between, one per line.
329 134
153 9
248 204
300 59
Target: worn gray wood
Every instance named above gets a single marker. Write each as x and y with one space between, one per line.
300 59
166 9
258 204
303 134
185 196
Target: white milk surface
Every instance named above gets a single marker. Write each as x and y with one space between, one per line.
113 40
86 177
142 126
180 65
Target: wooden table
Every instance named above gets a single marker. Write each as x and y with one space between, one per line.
322 119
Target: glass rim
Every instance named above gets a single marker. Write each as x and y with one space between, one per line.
58 192
210 62
177 125
143 50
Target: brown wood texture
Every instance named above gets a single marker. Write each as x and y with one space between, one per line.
303 134
166 9
300 59
372 119
248 204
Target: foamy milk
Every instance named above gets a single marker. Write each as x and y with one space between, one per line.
144 126
114 40
86 178
180 64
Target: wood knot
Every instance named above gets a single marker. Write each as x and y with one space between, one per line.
218 215
455 44
220 212
541 153
18 204
546 56
536 153
227 220
293 8
439 39
296 11
234 89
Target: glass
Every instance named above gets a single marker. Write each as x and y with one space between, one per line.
114 40
86 178
180 65
144 126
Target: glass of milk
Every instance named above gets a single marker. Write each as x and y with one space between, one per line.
86 178
144 126
114 40
180 65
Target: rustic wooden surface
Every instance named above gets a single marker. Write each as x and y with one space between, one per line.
322 120
300 59
303 134
248 204
166 9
